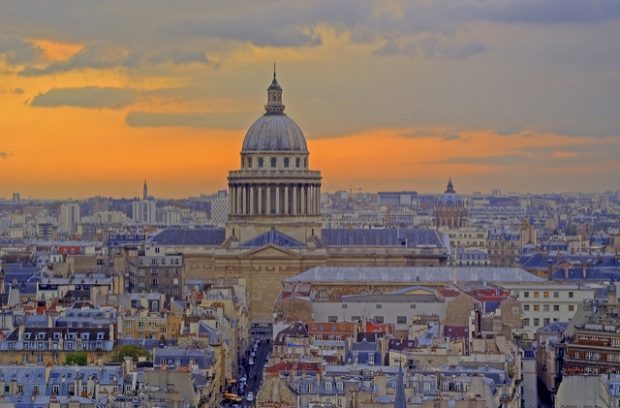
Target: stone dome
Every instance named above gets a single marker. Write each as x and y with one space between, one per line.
450 198
274 132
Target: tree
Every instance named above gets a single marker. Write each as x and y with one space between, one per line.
79 358
119 353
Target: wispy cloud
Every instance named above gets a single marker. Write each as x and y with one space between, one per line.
186 119
86 97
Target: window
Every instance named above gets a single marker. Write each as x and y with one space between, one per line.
556 308
545 308
526 322
305 162
546 294
526 307
356 318
536 321
546 321
260 162
571 308
273 162
536 294
412 306
297 161
571 295
286 161
344 305
154 282
556 294
249 162
378 319
379 306
526 294
536 308
401 319
332 319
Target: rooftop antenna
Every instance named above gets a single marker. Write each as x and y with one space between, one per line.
274 70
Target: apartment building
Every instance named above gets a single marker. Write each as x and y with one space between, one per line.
544 303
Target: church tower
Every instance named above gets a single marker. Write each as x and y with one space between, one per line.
274 189
450 209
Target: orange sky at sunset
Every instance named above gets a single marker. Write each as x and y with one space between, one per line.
88 112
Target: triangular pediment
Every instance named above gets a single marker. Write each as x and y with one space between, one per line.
270 251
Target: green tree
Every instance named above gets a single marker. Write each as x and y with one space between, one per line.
76 358
119 353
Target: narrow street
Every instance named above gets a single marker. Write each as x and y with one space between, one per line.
253 373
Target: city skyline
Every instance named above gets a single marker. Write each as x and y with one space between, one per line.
389 98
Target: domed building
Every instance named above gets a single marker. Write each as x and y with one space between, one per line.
274 228
450 209
274 188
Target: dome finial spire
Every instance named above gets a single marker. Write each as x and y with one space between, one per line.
274 104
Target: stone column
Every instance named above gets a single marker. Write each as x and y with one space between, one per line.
268 191
252 208
286 209
260 199
311 198
302 199
238 194
278 199
243 200
295 188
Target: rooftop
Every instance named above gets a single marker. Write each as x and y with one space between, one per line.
334 274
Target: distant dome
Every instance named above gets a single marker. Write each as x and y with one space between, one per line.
274 131
450 198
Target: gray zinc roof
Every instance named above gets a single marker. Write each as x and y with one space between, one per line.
334 274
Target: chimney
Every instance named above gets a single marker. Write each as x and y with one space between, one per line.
549 270
584 271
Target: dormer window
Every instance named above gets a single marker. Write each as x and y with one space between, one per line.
85 336
26 336
100 336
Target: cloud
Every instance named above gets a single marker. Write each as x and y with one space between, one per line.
189 120
447 136
502 159
4 155
550 11
16 91
87 97
434 46
95 56
454 137
17 50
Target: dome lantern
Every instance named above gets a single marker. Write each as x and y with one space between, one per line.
274 104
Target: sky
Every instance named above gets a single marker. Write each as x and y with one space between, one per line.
520 95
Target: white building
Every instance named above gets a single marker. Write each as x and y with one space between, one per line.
144 212
398 308
69 217
547 302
